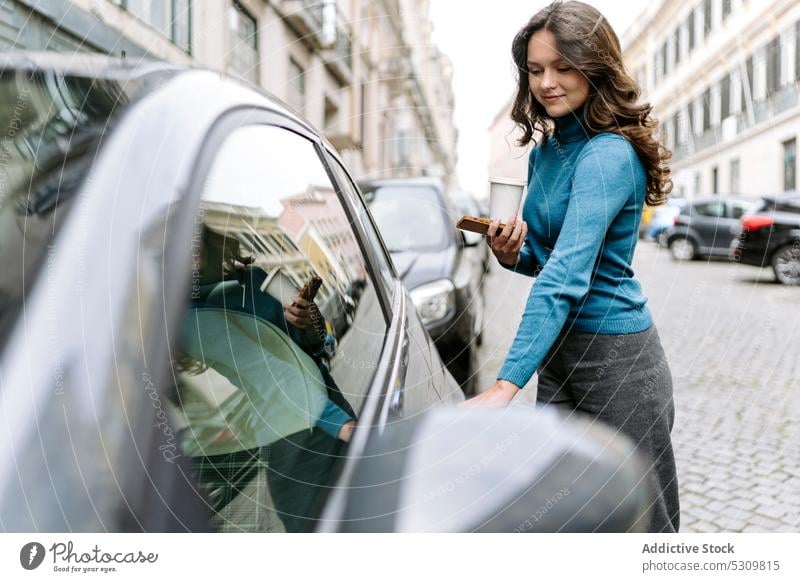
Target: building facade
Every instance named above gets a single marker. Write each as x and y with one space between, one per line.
364 72
506 158
723 77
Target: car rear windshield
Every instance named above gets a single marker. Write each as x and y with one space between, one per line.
410 218
51 127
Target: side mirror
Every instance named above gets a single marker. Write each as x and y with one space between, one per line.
498 470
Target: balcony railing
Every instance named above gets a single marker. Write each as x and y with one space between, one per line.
763 111
306 17
338 56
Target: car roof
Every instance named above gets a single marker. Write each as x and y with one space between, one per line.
790 197
151 74
721 198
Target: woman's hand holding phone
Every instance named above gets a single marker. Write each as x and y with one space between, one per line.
507 243
298 313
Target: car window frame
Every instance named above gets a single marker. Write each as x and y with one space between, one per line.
332 157
177 256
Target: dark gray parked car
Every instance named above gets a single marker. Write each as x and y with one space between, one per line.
442 269
705 227
156 222
770 237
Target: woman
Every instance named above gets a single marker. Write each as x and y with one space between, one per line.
585 327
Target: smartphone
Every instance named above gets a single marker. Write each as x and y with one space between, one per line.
475 224
309 290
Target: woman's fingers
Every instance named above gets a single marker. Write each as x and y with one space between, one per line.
517 237
296 315
511 223
498 240
490 234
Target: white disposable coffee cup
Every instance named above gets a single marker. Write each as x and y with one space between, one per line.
505 195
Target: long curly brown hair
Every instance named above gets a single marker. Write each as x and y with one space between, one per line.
586 40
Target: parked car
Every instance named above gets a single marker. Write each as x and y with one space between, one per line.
150 380
770 237
437 264
704 227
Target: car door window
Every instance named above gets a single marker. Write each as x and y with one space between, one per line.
261 398
711 209
739 209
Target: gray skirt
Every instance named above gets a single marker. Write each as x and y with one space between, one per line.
624 381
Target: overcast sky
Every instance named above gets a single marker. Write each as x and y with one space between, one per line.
477 37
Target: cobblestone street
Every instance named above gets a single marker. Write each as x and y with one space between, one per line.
732 336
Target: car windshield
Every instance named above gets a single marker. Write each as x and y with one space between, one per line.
465 205
410 218
52 127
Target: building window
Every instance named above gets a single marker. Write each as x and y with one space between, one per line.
726 9
734 177
676 45
737 104
697 183
706 17
331 114
725 96
641 79
403 149
690 29
668 132
715 105
797 50
363 122
664 53
297 86
715 180
747 84
706 110
790 164
773 66
244 37
172 18
657 67
684 124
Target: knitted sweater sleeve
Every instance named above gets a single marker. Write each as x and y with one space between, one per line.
603 181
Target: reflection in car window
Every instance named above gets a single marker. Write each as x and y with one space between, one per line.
409 217
266 393
52 127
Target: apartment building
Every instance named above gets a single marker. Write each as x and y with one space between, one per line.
723 77
363 71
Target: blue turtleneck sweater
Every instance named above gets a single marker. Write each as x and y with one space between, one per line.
583 208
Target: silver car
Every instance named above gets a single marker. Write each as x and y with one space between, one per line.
164 366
